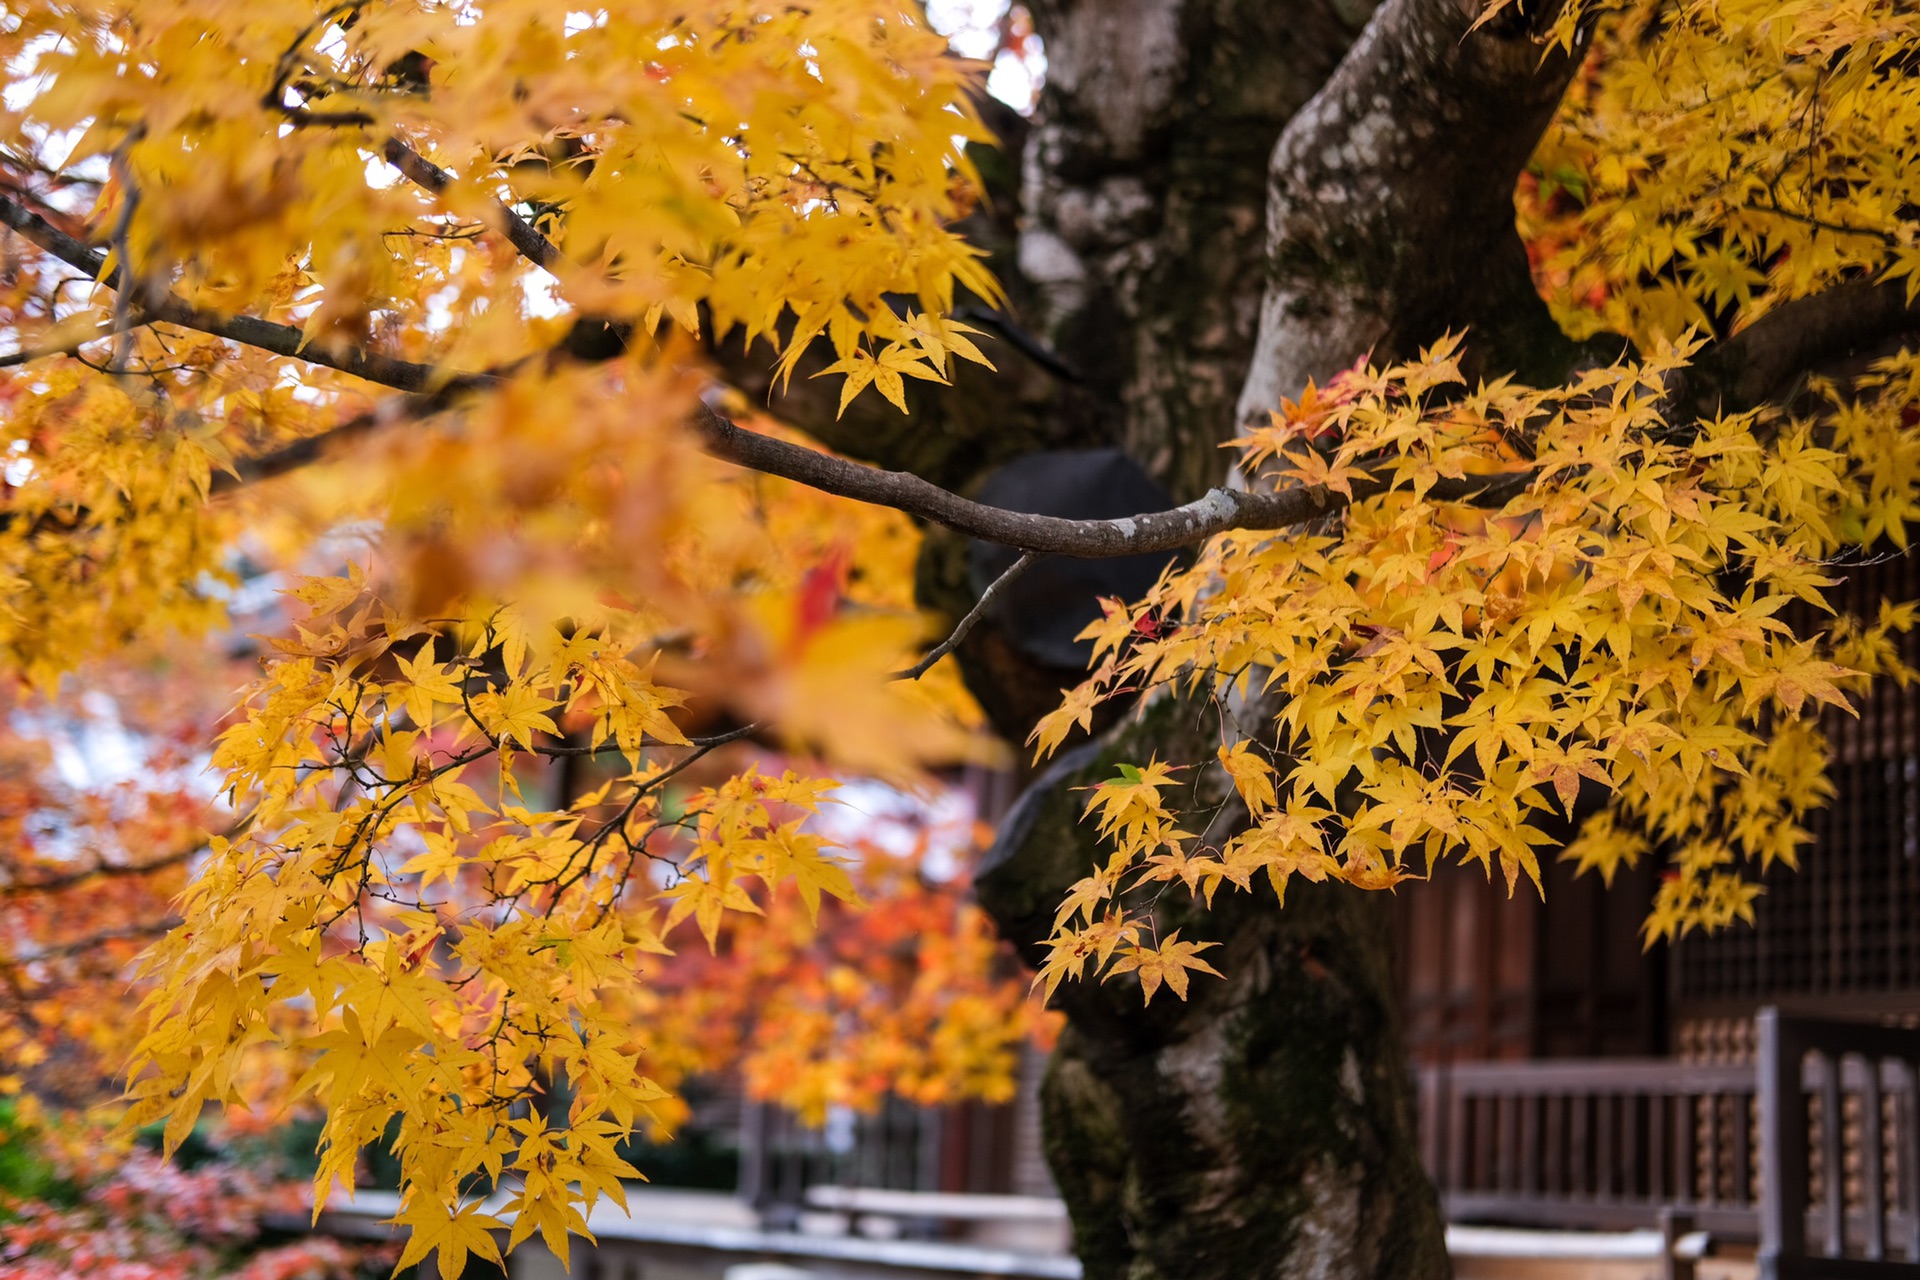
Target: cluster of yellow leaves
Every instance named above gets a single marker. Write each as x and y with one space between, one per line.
388 855
394 911
781 171
1729 155
1439 680
782 604
759 161
73 585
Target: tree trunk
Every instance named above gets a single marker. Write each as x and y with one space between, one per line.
1217 200
1264 1127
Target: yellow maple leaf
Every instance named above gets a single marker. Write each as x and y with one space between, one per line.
1168 962
450 1234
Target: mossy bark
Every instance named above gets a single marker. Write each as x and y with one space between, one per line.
1263 1127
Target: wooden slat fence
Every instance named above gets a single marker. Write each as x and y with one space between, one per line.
1602 1144
1810 1151
1838 1199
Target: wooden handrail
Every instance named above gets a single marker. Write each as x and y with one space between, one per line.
1800 1058
1615 1143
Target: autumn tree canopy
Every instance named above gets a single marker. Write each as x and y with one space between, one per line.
476 323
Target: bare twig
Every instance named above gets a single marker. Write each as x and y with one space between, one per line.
123 298
607 748
422 172
967 623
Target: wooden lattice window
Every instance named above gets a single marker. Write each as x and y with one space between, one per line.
1848 923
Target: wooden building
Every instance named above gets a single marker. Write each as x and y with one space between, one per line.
1486 977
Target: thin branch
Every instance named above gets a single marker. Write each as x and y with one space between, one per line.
968 623
1220 510
1022 341
28 355
394 410
422 172
606 748
123 298
99 871
80 946
275 98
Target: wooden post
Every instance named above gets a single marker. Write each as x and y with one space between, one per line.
1783 1144
1907 1155
1873 1157
1833 1157
1674 1224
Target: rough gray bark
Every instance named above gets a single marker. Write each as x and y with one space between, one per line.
1390 205
1144 198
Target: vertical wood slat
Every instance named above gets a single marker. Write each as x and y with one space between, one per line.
1873 1196
1605 1133
1459 1138
1578 1183
1484 1161
1530 1144
1710 1148
1657 1167
1907 1155
1834 1179
1783 1140
1555 1120
1740 1157
1506 1163
1683 1170
1433 1137
1631 1185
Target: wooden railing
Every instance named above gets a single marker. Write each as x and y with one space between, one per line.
1816 1075
1592 1144
1810 1151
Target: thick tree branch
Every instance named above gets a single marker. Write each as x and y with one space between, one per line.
1218 511
1390 203
279 339
1764 359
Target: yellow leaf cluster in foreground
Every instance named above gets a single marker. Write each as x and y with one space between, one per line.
393 912
1412 680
